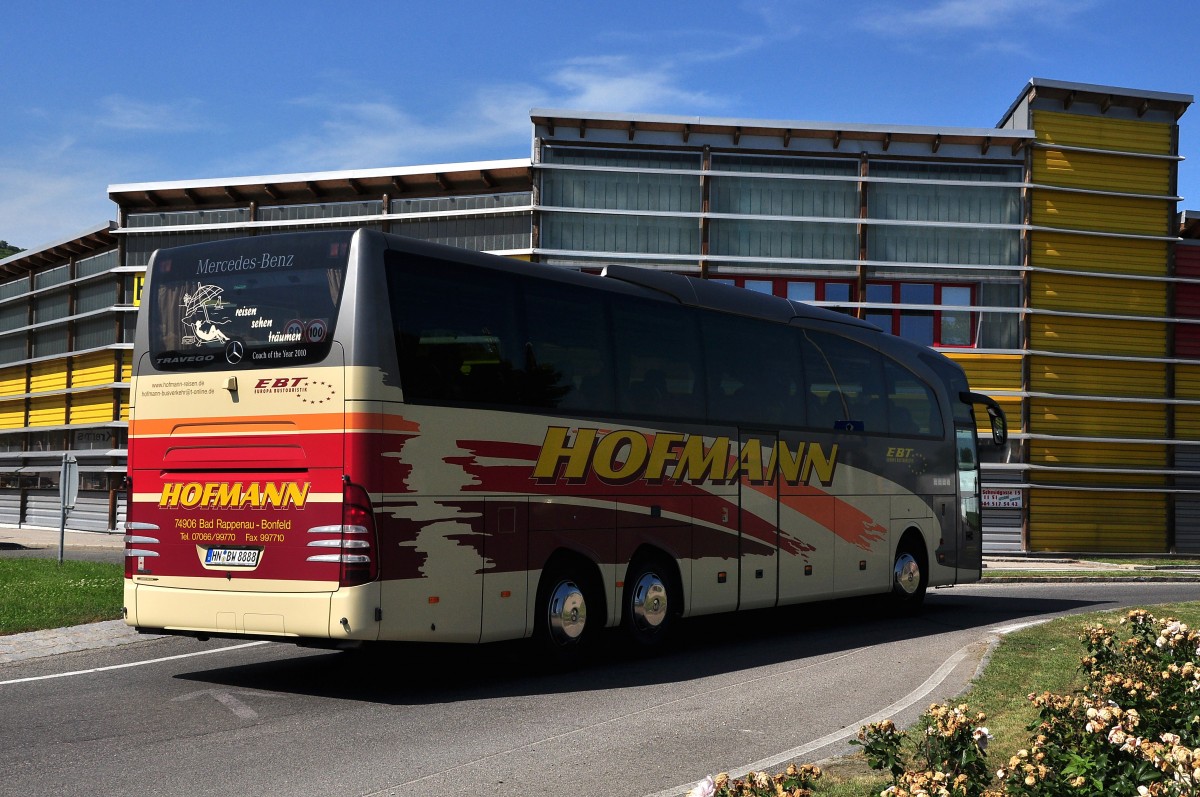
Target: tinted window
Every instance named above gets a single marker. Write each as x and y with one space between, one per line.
845 384
571 363
659 366
457 333
912 406
754 372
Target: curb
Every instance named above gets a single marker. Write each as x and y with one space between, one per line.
51 642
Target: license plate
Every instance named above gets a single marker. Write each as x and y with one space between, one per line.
232 557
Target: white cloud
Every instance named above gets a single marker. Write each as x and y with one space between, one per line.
617 83
377 133
492 121
948 17
118 112
40 206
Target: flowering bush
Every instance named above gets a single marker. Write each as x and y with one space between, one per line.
952 752
1134 730
793 782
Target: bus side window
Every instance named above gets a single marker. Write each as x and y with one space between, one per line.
912 406
846 383
571 360
456 333
754 372
659 364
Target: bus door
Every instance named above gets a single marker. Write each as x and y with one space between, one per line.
758 502
806 515
969 554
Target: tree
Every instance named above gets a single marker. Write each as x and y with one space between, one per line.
7 249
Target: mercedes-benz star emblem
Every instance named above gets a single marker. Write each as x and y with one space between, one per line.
234 352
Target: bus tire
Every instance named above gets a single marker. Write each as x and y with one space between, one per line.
910 575
652 602
569 612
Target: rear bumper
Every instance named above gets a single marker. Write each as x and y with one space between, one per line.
347 614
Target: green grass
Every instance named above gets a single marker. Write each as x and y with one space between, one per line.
40 593
1147 575
1034 660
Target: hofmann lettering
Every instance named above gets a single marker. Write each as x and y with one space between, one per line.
623 456
233 495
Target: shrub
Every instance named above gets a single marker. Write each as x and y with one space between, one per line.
1133 730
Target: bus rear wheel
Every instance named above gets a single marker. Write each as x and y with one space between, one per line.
651 602
563 626
909 577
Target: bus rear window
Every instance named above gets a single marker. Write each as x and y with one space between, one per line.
245 304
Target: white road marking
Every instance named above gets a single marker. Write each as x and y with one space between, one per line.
130 664
931 683
228 700
1008 629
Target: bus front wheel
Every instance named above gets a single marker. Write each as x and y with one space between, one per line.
909 577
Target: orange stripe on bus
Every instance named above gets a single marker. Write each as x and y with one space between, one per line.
262 424
272 424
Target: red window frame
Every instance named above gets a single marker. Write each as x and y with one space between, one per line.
897 313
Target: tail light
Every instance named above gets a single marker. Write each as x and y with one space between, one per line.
354 541
135 555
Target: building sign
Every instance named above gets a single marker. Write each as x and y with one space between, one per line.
1002 499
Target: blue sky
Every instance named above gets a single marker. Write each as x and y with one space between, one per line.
102 93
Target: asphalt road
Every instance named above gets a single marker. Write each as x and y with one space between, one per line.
273 719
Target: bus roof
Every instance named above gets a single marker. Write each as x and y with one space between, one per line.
716 296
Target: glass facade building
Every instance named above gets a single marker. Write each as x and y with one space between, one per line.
1039 254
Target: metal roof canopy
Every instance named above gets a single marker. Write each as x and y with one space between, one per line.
91 241
1189 225
1106 97
786 131
316 187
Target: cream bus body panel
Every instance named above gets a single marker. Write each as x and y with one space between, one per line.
455 569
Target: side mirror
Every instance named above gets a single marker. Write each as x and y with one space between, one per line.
995 413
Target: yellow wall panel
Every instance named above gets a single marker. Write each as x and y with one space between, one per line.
93 369
1087 454
1187 381
989 371
12 414
48 411
1187 422
92 407
1098 336
1094 132
1097 418
1102 213
48 376
124 411
1073 293
126 370
1090 170
12 381
1089 253
1092 378
1069 520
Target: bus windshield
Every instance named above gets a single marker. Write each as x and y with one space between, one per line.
224 307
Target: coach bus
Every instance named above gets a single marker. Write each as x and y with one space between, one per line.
345 436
